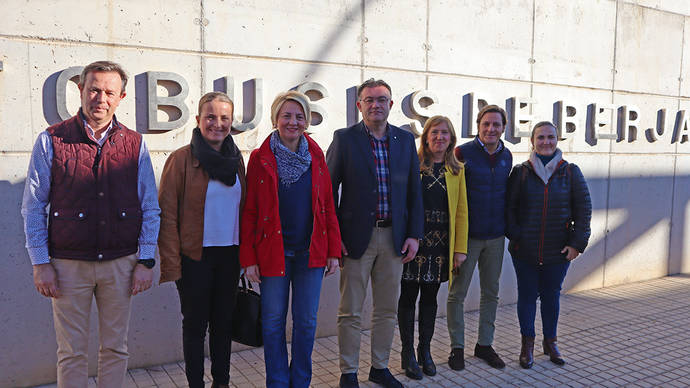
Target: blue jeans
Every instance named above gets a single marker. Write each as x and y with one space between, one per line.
306 287
544 281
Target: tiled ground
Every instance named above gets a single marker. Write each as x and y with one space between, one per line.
635 335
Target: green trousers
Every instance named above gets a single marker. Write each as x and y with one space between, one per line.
488 254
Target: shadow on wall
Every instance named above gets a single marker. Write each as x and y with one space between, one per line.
328 44
27 322
638 234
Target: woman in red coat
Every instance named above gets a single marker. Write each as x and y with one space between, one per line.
289 235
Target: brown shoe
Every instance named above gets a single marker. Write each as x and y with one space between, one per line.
551 350
216 385
527 352
456 361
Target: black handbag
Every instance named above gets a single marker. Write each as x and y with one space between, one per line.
246 318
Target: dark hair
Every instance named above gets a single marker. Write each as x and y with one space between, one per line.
106 66
424 154
372 83
490 109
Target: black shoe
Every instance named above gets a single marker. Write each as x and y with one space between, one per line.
456 361
383 377
488 354
348 380
409 365
424 357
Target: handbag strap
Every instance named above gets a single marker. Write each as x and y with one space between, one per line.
245 282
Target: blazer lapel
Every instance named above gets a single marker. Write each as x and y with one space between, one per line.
394 147
363 143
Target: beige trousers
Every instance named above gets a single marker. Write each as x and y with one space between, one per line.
383 265
79 282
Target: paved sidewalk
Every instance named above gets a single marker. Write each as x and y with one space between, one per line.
635 335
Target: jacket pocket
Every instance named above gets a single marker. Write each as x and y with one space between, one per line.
67 226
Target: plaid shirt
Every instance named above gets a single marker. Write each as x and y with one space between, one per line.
379 147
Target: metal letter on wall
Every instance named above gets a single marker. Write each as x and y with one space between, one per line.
597 120
155 101
351 110
470 107
315 91
564 118
681 133
517 109
419 109
252 102
61 91
663 127
628 122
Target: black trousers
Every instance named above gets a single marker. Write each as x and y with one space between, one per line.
207 296
428 305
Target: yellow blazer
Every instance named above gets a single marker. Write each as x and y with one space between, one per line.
457 215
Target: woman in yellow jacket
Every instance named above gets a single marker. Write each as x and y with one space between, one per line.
445 237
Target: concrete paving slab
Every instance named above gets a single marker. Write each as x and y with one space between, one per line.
601 354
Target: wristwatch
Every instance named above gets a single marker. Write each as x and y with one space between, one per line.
148 263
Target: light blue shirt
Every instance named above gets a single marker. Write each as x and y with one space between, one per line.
37 194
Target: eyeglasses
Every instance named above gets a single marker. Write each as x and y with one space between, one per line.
381 100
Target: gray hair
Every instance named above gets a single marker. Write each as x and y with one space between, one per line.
372 83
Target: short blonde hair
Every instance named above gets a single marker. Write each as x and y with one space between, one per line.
291 95
211 96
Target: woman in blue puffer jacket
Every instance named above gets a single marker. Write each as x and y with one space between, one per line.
549 212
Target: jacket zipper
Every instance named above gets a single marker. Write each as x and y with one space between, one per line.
543 213
96 160
543 225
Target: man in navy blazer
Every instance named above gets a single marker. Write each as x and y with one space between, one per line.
375 167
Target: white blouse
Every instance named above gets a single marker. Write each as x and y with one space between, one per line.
222 214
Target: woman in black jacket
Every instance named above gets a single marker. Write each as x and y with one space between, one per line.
549 212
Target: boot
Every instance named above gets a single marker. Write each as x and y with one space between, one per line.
216 385
527 352
424 356
427 321
551 350
407 360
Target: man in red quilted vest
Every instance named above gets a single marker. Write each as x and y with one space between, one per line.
98 238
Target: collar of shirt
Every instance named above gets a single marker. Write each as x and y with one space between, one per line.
498 147
385 135
91 133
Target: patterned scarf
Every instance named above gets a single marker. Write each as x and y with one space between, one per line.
291 165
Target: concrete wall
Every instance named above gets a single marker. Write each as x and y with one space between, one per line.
625 53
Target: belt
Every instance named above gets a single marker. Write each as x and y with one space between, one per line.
383 223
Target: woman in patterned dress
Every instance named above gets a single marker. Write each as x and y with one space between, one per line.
445 236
